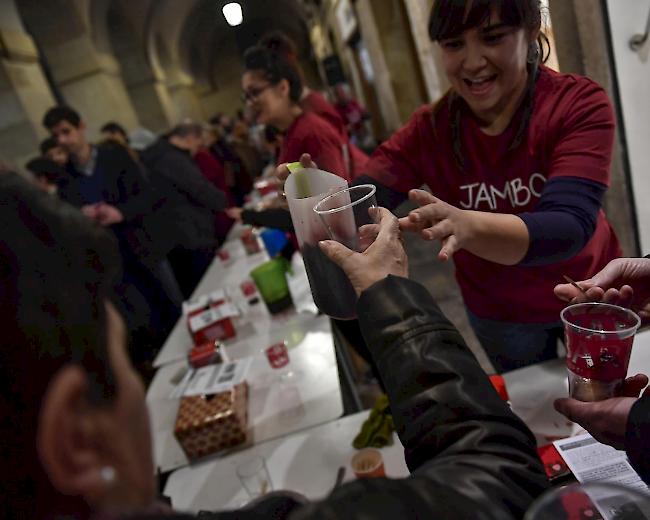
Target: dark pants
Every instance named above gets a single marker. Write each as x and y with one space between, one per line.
189 266
516 345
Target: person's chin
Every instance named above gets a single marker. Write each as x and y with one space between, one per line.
262 119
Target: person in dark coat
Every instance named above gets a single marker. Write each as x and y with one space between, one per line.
189 201
109 187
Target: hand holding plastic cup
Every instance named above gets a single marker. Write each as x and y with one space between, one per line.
598 339
342 214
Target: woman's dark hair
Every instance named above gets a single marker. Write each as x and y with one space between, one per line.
56 272
449 18
275 68
280 43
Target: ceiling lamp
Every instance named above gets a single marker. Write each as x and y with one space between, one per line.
232 13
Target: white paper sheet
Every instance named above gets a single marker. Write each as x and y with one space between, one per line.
212 379
592 461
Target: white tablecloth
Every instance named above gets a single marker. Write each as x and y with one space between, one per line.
305 462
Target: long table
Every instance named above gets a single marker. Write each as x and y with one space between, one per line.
276 407
229 275
305 462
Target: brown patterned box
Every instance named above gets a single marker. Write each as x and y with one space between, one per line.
208 424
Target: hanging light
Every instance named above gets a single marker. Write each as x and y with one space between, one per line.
232 13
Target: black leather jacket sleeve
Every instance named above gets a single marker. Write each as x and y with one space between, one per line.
637 437
469 455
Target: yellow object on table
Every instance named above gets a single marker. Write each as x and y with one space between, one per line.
377 430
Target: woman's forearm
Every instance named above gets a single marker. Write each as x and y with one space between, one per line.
497 237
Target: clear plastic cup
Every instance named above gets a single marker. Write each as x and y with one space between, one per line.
592 500
342 213
599 339
255 477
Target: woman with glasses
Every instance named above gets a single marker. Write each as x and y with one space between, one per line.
273 89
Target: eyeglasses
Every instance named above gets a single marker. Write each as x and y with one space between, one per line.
253 93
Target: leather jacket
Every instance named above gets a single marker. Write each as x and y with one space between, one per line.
469 455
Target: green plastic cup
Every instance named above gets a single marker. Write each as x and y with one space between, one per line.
271 281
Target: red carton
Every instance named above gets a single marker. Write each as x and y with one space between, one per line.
212 324
205 354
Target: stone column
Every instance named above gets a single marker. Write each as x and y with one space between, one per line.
581 37
428 53
385 93
24 92
91 83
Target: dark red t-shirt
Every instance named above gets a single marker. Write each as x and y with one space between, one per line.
213 171
315 102
313 135
570 134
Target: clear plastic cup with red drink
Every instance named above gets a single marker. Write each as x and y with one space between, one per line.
598 339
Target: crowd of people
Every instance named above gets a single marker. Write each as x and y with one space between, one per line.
162 197
104 245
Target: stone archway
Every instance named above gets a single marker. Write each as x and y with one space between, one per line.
79 58
24 92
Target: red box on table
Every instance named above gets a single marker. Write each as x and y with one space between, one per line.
209 318
205 354
212 423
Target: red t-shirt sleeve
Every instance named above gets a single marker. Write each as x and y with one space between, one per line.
585 137
396 162
317 138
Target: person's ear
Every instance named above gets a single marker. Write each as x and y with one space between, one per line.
69 437
284 87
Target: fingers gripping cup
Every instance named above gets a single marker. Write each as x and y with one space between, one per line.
343 214
599 339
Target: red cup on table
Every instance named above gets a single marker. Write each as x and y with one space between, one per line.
249 240
248 288
598 339
278 355
368 463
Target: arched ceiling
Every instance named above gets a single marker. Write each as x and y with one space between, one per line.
171 36
206 33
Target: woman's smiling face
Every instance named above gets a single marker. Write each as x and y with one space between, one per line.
486 65
269 102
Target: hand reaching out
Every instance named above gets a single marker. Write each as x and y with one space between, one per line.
623 281
437 220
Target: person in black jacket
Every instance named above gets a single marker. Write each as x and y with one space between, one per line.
110 188
76 432
188 200
622 422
